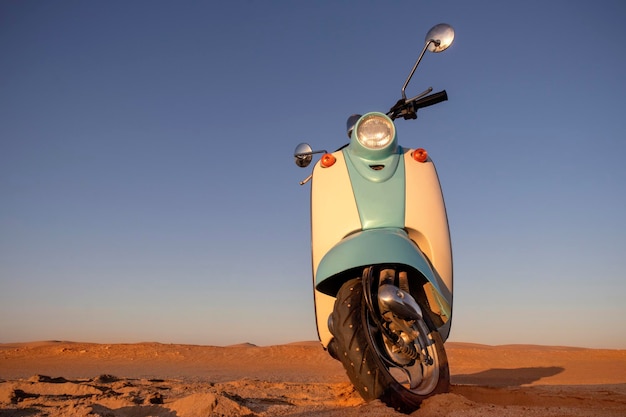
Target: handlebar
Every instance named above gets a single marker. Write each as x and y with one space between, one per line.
430 100
408 109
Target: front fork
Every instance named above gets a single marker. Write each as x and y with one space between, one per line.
396 315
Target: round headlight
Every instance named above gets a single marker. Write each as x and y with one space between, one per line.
375 131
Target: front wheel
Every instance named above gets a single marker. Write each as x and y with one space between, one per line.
402 373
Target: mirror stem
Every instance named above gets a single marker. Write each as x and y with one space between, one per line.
415 67
310 153
307 179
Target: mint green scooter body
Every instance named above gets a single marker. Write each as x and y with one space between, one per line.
380 208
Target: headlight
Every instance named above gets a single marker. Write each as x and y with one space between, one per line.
374 131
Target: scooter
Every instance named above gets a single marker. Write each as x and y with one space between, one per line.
381 254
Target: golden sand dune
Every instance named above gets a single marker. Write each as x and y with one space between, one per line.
299 379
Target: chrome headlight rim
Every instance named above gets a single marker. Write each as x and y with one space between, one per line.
375 131
358 149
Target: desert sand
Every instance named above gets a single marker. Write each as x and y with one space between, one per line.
151 379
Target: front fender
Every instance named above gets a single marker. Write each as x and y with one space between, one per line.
369 247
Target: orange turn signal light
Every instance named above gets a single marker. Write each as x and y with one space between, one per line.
328 160
420 155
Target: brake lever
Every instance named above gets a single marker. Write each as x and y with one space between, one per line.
420 95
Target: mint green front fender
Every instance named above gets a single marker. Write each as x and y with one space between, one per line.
369 247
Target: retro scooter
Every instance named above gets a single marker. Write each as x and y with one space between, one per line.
381 254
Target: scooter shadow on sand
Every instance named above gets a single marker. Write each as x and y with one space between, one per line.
507 377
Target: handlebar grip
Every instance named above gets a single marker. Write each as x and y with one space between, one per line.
430 100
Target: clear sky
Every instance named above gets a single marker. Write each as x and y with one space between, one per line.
148 190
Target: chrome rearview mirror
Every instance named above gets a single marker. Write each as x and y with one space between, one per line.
303 155
438 39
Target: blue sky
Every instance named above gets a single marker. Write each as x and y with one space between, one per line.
148 191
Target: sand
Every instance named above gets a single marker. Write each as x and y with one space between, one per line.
150 379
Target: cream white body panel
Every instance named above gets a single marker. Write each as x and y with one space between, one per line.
427 223
334 215
426 220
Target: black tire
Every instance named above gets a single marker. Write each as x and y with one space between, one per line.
358 346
